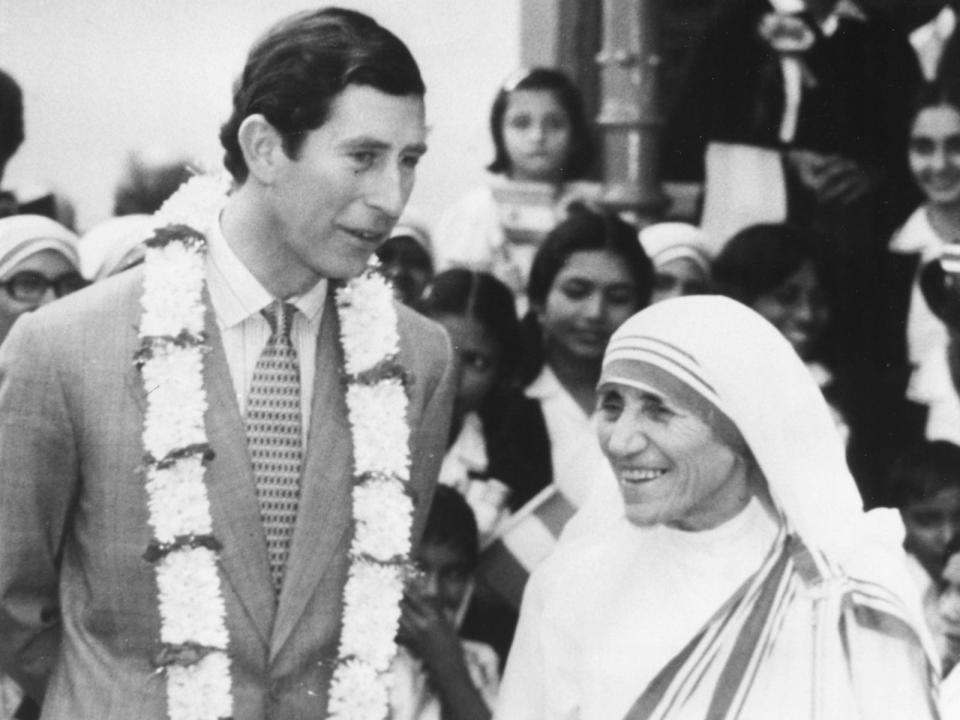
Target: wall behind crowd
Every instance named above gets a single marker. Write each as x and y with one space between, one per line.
102 77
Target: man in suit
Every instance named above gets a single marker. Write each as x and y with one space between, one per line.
326 131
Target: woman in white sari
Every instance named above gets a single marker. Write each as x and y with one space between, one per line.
743 579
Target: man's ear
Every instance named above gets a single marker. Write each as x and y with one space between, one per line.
262 147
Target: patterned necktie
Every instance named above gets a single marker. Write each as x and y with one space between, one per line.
274 436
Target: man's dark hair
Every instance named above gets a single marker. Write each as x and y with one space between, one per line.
297 69
11 118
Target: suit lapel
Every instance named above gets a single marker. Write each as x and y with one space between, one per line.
232 491
324 513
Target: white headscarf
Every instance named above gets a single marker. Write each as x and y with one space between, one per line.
667 241
114 244
743 373
22 236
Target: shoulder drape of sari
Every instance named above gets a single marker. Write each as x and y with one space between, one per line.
749 662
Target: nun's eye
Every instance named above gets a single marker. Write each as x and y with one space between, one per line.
610 403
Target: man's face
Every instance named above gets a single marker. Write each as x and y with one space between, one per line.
338 200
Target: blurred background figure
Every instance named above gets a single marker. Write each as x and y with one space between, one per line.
544 151
149 178
938 379
776 270
798 111
923 483
931 39
949 611
437 674
498 454
38 264
11 134
114 245
30 198
680 254
934 155
406 259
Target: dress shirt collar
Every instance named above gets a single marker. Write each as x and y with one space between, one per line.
236 294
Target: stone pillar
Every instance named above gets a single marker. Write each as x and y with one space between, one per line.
631 115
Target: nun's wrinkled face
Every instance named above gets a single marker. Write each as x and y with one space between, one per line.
33 282
671 467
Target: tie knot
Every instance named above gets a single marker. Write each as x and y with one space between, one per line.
280 316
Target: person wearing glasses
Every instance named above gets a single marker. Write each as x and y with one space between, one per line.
38 264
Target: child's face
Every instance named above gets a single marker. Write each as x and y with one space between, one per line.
931 524
536 135
480 356
445 576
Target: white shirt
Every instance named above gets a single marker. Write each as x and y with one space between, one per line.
579 464
925 332
927 338
237 298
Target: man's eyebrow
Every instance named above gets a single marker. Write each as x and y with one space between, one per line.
373 143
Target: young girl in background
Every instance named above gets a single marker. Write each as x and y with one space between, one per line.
543 151
498 455
934 154
587 278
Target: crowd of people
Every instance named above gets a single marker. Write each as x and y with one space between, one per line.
663 453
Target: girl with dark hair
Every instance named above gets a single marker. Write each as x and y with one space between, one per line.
543 152
775 269
589 276
498 455
934 155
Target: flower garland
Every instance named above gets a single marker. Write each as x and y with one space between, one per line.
382 509
193 633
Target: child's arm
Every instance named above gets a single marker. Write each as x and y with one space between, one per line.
426 631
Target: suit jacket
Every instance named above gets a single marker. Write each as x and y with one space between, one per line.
78 610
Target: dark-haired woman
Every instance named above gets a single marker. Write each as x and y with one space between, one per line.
498 456
587 278
543 152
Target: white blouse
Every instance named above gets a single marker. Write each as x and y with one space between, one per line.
579 464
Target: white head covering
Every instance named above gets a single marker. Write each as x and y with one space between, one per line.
114 244
739 365
668 241
22 236
411 224
744 374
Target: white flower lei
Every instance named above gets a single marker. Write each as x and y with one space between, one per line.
193 628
